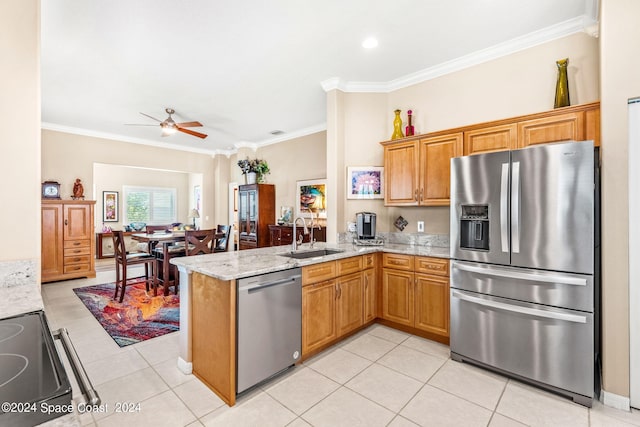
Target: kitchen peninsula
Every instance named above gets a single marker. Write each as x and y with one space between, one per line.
399 285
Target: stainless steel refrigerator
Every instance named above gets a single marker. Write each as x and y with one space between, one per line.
525 265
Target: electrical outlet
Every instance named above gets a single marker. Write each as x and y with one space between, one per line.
420 226
351 226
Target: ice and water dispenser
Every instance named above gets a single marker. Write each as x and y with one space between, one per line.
474 227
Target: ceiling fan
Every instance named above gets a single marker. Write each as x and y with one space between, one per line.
169 126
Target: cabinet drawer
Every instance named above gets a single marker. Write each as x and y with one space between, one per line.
77 259
77 268
77 251
318 272
437 266
397 261
368 261
77 243
349 265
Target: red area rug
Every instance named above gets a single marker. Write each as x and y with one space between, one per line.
139 317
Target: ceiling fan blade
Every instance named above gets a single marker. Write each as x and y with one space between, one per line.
189 124
151 117
191 132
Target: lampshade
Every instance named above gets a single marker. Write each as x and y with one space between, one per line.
194 213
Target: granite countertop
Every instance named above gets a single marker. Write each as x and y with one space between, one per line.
239 264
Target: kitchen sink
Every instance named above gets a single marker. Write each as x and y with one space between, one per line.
312 254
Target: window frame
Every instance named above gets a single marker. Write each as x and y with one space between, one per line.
127 189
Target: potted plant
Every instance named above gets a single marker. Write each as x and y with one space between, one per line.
253 169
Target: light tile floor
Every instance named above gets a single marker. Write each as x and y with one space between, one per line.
379 377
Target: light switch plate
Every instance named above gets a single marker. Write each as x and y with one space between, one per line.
351 226
420 226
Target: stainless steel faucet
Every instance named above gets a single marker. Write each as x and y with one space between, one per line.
314 223
294 243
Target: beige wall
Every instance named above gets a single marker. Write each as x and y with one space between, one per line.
20 137
115 177
66 157
290 161
518 84
620 65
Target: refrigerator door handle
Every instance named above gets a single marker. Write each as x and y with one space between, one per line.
515 208
546 278
518 309
504 205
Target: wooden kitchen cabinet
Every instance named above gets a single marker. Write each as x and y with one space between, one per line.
491 138
432 304
417 171
318 315
256 210
563 127
349 303
369 291
415 294
68 239
397 296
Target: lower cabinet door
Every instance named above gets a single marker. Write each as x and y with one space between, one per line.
432 304
349 303
318 315
397 296
369 292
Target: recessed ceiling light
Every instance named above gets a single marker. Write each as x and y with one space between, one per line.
370 43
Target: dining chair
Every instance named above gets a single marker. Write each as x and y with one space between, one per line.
124 260
199 241
150 229
167 274
222 243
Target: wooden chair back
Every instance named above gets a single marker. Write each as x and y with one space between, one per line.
119 248
162 228
199 241
222 243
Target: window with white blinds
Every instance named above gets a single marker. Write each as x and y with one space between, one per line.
150 205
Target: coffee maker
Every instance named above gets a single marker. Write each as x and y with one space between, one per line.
366 225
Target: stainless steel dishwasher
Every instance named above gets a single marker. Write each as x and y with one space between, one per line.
269 326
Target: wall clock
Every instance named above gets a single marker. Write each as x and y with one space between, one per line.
50 190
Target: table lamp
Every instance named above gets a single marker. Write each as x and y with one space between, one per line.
194 214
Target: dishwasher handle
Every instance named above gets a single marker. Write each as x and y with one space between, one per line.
256 287
86 388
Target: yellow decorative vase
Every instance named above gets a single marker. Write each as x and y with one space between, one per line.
397 126
562 85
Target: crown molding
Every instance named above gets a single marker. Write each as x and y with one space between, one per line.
563 29
122 138
241 144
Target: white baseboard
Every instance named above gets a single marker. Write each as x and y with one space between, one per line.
615 401
187 367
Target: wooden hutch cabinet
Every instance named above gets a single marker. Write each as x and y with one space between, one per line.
68 239
256 210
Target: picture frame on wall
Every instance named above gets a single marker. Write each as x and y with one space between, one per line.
312 198
110 206
365 182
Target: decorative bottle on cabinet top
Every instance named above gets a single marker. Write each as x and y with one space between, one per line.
409 129
397 126
562 85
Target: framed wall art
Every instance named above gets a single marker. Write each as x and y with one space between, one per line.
312 198
110 206
365 182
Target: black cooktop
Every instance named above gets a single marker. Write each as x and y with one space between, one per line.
32 376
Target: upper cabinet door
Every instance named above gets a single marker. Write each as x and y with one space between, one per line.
77 221
564 127
490 139
401 170
435 166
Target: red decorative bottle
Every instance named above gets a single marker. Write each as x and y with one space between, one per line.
409 129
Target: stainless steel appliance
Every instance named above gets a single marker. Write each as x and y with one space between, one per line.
269 326
366 225
525 265
34 386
